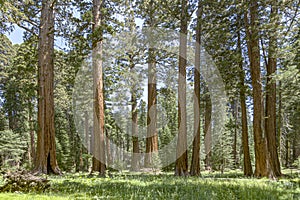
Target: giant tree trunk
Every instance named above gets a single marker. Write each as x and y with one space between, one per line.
152 137
247 160
270 119
99 159
181 166
45 161
254 55
195 165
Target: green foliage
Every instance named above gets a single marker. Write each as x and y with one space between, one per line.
222 148
12 148
220 23
165 186
67 141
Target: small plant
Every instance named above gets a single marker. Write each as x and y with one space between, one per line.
296 163
156 162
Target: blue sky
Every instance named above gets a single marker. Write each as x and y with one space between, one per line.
16 37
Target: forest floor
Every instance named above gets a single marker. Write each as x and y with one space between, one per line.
128 185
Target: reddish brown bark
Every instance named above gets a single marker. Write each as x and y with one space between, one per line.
270 118
152 138
207 131
195 165
247 160
254 56
45 161
234 146
99 159
181 165
134 124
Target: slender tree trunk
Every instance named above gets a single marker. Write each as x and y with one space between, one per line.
279 124
99 135
181 166
108 151
31 133
234 146
87 137
11 125
86 130
134 124
247 160
287 153
45 161
195 166
270 118
77 153
207 130
118 144
261 168
294 149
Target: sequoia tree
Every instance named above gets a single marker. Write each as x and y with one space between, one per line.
181 166
270 119
252 32
45 161
152 138
195 166
245 143
99 159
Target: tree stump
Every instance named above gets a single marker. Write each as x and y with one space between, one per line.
23 182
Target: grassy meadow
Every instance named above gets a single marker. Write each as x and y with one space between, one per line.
127 185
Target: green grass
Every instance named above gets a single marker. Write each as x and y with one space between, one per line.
230 185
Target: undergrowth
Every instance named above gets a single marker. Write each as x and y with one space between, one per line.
126 185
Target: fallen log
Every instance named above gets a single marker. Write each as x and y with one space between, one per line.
23 182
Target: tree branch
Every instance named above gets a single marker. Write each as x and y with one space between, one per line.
293 19
264 52
25 28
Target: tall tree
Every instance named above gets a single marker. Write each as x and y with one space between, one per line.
207 130
45 161
99 159
152 137
252 32
195 165
245 142
181 166
270 119
134 116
